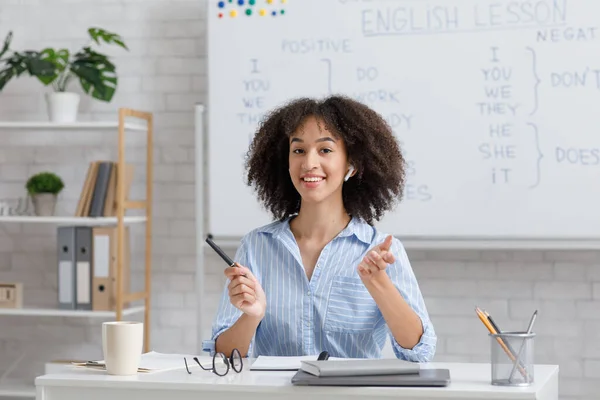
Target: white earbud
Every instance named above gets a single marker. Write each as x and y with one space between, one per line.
350 171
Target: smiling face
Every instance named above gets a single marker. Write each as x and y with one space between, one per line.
318 162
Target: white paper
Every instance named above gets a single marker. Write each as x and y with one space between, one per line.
161 362
279 363
155 362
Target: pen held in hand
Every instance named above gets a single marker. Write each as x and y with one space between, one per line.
222 254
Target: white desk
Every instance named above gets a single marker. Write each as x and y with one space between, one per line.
469 381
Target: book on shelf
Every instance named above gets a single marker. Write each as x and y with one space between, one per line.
98 196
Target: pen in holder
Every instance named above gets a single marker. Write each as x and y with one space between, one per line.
512 358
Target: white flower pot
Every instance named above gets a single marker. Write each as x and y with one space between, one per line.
44 204
62 106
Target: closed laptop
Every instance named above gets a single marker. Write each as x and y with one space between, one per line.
425 378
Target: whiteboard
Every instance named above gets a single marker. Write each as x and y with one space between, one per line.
496 105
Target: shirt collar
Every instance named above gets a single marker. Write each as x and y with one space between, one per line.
357 227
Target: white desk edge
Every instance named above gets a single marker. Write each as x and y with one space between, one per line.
468 380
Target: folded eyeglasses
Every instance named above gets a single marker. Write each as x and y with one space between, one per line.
221 363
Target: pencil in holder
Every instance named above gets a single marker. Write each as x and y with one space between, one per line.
512 358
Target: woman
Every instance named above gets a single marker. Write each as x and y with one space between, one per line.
322 277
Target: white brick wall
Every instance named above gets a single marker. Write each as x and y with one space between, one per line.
165 72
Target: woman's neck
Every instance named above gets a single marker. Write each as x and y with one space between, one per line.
317 222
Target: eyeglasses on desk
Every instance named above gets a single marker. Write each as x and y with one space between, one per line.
220 363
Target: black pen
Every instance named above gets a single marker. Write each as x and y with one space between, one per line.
221 253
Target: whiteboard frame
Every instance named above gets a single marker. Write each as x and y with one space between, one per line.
418 241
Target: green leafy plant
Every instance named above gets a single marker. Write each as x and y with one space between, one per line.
44 182
58 67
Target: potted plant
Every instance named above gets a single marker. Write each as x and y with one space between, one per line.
43 188
59 67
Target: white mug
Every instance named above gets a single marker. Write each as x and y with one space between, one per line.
122 343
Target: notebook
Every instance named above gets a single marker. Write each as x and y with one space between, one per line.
425 378
383 366
284 363
279 363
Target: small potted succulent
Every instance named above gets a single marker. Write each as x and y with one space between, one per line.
43 188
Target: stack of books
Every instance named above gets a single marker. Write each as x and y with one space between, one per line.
99 193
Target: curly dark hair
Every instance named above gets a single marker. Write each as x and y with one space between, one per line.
370 144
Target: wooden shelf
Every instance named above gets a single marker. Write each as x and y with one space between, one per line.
12 391
55 312
93 125
120 126
81 221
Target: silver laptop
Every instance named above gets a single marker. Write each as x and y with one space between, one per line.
425 377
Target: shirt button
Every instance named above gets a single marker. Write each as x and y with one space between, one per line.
308 293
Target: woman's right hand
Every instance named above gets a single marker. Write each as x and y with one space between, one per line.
245 293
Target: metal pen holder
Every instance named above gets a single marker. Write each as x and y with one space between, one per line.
512 358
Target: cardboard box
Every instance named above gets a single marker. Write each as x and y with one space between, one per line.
11 295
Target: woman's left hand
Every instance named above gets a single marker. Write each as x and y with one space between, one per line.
376 260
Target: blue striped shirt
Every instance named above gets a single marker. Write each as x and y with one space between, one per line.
333 310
